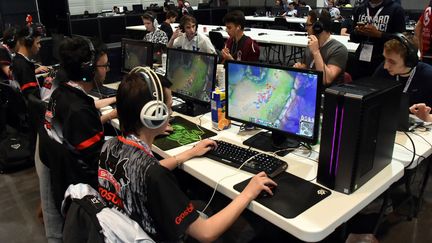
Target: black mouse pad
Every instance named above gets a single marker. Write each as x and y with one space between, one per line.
292 196
185 132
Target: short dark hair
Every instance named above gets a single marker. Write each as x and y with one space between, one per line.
26 34
236 17
132 94
170 14
9 37
324 18
75 51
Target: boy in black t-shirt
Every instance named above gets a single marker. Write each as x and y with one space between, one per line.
170 18
23 68
134 181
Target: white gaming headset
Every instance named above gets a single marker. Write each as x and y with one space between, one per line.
155 112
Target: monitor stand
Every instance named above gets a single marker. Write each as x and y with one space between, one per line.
272 142
191 109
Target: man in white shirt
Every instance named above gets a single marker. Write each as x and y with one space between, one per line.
188 38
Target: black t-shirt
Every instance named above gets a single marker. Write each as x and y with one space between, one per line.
165 27
133 181
24 72
73 120
5 59
420 89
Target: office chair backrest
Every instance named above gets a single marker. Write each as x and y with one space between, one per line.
280 24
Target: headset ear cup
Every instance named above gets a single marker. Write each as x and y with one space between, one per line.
317 27
154 114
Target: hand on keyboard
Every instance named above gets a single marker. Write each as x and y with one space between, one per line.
260 184
203 147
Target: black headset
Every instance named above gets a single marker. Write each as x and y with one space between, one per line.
183 22
88 68
155 112
411 58
320 25
29 37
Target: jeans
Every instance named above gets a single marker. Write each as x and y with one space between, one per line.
53 221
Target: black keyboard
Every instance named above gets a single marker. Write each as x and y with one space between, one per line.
235 156
103 92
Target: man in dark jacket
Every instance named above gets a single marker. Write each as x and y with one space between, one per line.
374 22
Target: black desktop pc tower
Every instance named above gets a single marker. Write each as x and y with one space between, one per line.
358 131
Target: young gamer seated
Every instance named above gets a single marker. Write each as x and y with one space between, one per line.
134 181
401 64
188 38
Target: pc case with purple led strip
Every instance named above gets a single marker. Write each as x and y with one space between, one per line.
358 132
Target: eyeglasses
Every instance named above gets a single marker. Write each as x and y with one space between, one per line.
107 65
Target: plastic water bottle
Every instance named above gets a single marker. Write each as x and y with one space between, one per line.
164 60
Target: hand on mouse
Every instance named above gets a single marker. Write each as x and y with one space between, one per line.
260 182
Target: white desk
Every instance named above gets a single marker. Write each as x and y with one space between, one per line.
293 20
276 37
314 224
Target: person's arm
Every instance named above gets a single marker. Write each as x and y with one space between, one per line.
299 65
330 71
422 111
108 116
104 102
344 31
208 230
199 149
176 34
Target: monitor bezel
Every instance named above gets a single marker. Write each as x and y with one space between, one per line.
186 97
148 45
315 137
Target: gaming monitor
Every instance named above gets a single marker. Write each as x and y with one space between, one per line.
136 53
283 100
193 77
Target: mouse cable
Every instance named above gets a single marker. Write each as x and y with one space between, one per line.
237 172
414 150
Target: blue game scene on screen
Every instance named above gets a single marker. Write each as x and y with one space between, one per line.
275 98
191 73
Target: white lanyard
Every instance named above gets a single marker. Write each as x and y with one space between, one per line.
410 78
370 19
147 148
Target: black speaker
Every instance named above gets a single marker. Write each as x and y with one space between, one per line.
358 132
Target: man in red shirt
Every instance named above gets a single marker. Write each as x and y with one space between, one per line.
239 46
423 32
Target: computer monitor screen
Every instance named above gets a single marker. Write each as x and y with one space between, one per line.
302 11
280 99
137 8
192 74
136 53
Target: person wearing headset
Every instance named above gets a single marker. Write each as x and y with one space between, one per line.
187 37
154 34
401 64
323 53
132 180
7 51
23 68
239 46
72 119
